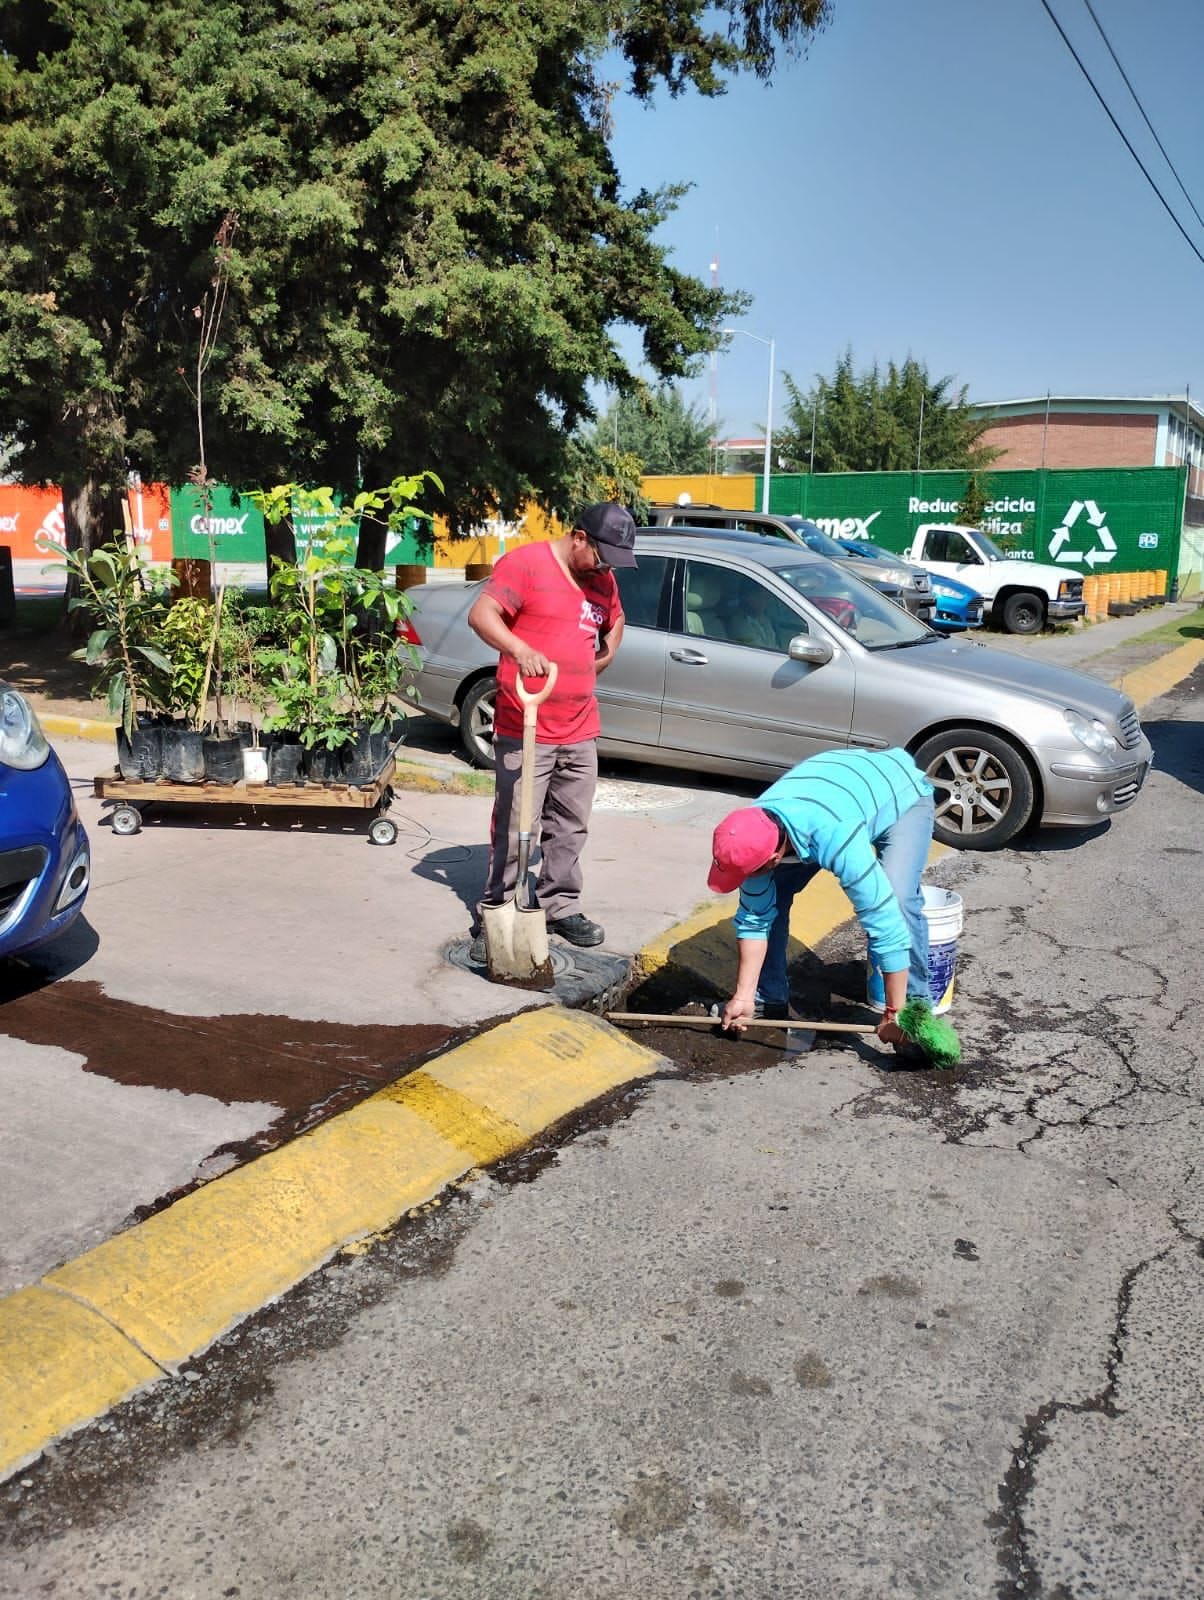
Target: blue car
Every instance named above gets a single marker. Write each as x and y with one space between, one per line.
44 859
958 607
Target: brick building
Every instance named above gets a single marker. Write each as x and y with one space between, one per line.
1077 431
1068 431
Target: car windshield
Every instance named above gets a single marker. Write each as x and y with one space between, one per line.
985 542
816 539
875 552
871 619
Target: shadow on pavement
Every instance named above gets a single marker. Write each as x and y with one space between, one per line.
1178 751
1041 840
38 968
459 868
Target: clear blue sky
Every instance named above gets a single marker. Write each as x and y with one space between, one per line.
937 178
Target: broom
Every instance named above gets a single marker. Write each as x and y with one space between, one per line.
936 1037
918 1024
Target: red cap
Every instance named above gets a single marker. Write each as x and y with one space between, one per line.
742 844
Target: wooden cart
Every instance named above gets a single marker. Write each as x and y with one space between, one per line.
132 798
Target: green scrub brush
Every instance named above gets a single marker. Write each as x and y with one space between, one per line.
929 1033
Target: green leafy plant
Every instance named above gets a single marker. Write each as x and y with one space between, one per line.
384 664
336 663
186 631
126 604
250 646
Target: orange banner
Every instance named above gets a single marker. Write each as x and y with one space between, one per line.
30 518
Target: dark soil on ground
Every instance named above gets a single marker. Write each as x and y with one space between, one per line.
35 657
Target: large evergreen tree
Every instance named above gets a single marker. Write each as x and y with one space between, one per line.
666 432
418 223
880 423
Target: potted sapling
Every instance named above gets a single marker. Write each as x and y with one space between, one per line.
126 604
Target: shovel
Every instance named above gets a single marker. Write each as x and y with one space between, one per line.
516 934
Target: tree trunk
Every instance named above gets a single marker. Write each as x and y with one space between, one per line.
94 513
370 546
371 471
279 544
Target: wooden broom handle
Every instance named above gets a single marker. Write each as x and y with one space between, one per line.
671 1018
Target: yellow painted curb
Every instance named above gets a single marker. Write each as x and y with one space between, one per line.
1156 678
77 728
118 1317
60 1365
178 1281
540 1066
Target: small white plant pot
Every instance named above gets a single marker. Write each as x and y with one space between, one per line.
255 766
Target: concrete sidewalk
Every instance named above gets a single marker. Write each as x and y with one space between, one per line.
93 1331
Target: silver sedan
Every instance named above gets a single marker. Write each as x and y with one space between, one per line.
745 658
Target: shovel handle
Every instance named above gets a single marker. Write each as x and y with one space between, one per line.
540 695
526 787
671 1018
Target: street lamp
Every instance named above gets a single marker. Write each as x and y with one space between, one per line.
768 413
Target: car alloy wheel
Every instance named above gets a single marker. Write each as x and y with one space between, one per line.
984 789
476 722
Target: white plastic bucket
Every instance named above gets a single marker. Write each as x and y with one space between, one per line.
254 765
943 914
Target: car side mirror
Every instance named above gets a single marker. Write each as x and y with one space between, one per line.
811 649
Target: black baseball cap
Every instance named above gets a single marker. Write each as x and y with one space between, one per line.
611 526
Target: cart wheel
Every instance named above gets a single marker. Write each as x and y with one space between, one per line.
382 831
126 819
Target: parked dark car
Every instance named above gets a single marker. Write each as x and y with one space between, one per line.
44 858
908 584
958 607
744 656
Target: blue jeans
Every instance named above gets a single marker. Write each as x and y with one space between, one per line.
903 852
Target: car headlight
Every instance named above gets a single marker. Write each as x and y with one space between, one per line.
1091 733
943 589
22 742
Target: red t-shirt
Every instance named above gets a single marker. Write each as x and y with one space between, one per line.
562 619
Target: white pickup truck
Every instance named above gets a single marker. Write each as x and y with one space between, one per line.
1021 595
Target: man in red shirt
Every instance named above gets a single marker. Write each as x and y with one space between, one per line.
554 601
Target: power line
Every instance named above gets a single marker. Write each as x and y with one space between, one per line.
1108 111
1137 102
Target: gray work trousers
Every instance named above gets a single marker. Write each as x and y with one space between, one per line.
566 776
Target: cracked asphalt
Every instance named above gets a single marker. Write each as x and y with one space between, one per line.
764 1329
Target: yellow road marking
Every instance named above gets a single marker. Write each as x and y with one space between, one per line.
470 1127
182 1278
539 1066
1146 683
60 1365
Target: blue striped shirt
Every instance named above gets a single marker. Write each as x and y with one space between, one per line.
834 807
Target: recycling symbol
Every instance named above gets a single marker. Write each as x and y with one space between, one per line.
1095 518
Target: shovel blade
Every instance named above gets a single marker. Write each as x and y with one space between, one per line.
516 946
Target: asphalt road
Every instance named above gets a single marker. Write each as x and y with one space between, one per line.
786 1330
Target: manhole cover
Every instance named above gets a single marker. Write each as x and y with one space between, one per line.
579 977
457 954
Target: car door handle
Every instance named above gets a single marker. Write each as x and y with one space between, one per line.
689 658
